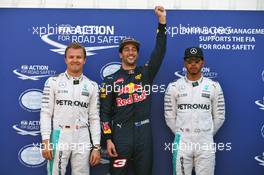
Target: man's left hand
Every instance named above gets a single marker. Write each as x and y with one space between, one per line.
161 14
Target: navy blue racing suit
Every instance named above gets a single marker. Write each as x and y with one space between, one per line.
125 111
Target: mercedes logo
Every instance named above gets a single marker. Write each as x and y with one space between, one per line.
193 50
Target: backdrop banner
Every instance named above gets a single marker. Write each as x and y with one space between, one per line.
32 49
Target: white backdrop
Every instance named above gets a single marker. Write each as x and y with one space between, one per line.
139 4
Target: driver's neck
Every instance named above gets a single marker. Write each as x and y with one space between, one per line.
128 67
74 74
194 77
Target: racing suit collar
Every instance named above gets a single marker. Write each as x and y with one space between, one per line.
199 81
69 77
132 71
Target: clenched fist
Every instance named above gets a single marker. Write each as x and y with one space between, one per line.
161 14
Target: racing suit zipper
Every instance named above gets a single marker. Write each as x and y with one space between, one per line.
192 113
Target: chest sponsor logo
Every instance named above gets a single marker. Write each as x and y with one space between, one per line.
72 103
194 106
134 98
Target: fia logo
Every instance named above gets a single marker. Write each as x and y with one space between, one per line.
25 127
260 159
260 103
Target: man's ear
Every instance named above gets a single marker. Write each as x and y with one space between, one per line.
184 63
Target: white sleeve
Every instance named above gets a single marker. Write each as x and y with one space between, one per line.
218 107
47 107
170 105
93 116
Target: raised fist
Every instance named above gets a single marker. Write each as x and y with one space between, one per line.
161 14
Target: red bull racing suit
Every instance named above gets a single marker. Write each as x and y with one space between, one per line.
194 111
125 112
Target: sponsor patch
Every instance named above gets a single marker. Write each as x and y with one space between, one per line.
138 77
182 95
205 95
103 96
62 91
106 128
119 80
85 93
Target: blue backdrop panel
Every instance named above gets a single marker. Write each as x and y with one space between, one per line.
32 47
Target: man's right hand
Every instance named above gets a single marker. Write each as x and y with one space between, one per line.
46 150
111 148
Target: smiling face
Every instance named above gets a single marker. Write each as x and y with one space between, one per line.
75 60
129 55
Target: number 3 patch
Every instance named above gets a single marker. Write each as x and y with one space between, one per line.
119 163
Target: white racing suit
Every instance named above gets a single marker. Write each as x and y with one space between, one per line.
69 117
194 111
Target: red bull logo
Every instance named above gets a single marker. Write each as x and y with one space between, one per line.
106 128
130 88
134 98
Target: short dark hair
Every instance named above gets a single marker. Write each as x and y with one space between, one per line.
75 45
